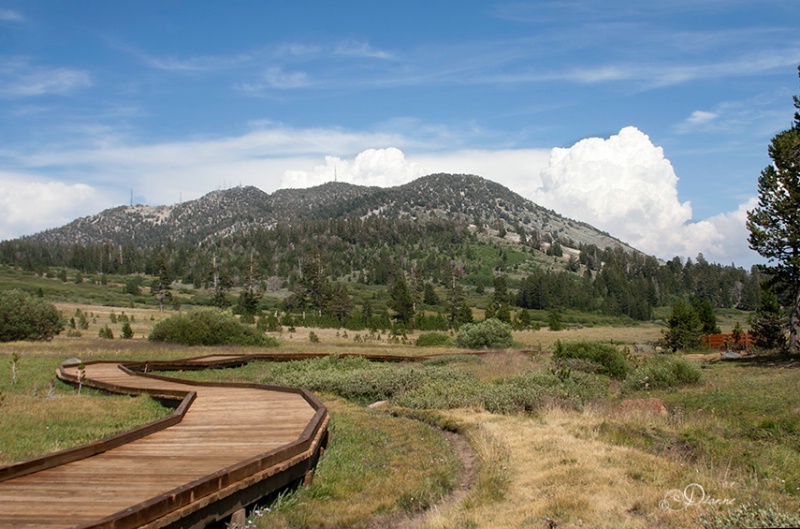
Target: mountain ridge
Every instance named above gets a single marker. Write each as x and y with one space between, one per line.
222 213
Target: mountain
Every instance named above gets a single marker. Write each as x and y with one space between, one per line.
223 213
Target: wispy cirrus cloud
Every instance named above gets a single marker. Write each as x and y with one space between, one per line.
192 64
185 64
276 78
20 78
355 48
11 15
698 119
743 118
545 12
278 54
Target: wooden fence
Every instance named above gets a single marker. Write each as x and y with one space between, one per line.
728 341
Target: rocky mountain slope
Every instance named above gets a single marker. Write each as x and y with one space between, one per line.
222 213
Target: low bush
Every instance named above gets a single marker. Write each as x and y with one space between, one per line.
529 392
449 390
444 360
23 317
208 326
127 330
525 393
664 371
490 334
435 385
106 332
357 378
432 339
611 361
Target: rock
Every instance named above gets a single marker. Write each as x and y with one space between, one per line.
71 362
651 406
730 355
379 404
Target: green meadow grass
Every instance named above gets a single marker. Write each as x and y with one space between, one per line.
40 414
741 423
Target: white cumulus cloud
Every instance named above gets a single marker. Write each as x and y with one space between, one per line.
29 207
623 185
626 186
372 167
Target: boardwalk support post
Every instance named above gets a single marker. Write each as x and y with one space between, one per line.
239 518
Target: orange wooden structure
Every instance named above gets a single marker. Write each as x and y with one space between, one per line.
726 341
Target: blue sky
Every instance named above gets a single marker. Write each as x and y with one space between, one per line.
649 120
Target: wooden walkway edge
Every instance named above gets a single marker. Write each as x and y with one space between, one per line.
224 447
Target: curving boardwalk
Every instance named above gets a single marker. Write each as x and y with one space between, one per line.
225 446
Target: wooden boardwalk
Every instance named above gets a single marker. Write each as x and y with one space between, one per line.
225 446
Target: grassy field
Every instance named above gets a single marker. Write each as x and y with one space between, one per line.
537 445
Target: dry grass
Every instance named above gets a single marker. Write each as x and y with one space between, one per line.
557 468
545 338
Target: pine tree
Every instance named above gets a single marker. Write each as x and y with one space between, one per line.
430 297
127 331
705 312
766 326
221 283
316 288
401 301
684 327
455 298
774 224
341 304
250 297
162 284
499 307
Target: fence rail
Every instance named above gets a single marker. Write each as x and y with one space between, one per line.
728 341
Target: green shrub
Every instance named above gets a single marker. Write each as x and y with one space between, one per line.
491 333
127 331
531 391
664 371
106 332
447 389
353 378
208 326
24 317
83 322
611 360
749 515
432 339
444 360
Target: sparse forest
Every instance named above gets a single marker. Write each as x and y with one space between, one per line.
375 272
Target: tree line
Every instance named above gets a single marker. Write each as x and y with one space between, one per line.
436 266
